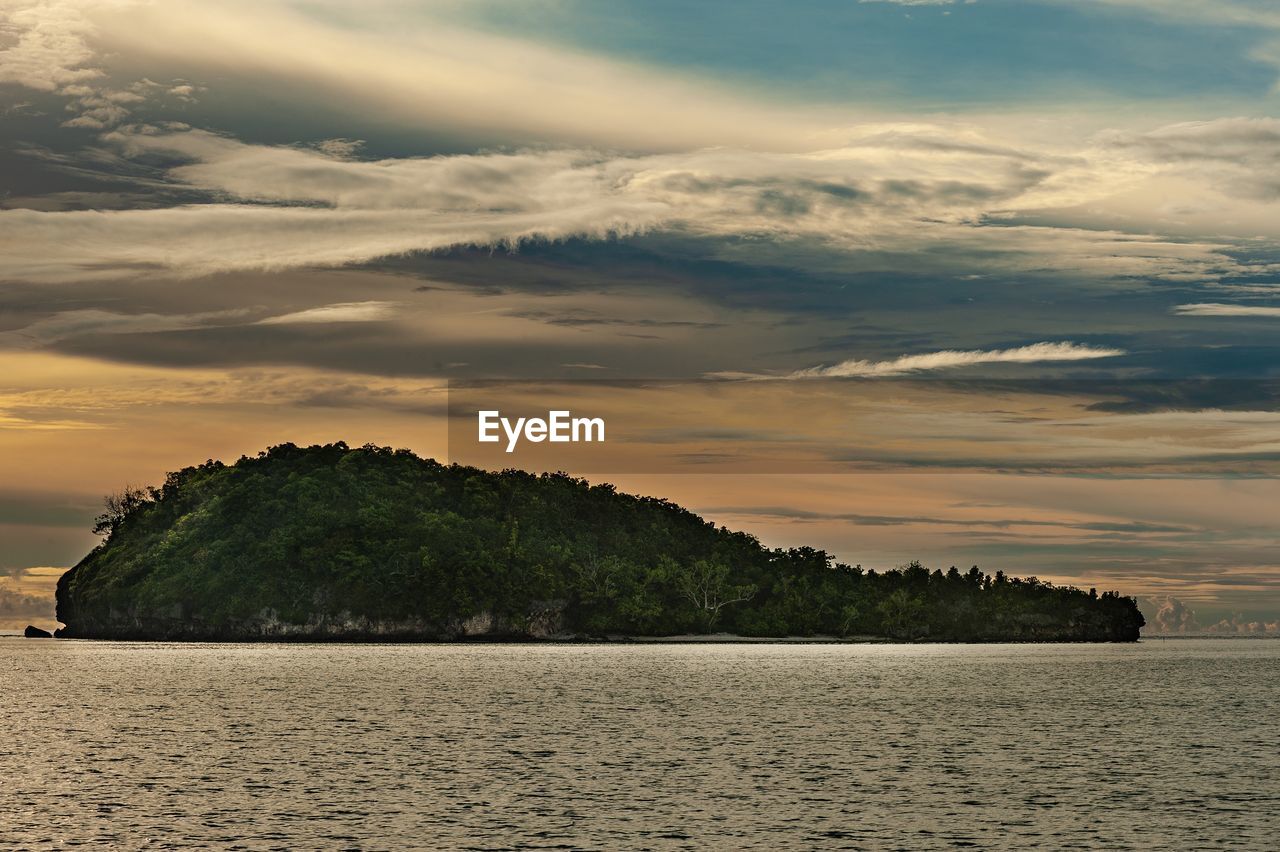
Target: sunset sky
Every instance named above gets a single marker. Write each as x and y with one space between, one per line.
991 282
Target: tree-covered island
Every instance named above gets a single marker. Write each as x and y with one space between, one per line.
332 542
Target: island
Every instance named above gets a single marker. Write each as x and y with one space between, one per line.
368 543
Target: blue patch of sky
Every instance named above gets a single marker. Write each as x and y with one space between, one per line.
989 52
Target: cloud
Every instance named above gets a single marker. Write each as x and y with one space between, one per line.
26 595
1172 616
1239 156
67 324
10 422
1175 617
423 70
951 359
884 189
1239 625
51 51
892 190
186 93
106 393
198 240
341 312
340 148
38 510
1215 309
49 48
901 170
586 318
96 321
16 606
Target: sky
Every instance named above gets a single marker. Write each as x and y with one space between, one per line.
981 282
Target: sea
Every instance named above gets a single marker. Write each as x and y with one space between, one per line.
1163 744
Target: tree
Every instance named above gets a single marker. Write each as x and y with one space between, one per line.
900 613
119 505
849 616
705 584
598 576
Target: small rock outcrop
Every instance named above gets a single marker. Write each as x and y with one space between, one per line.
33 632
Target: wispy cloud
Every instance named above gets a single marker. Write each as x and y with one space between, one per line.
91 321
1238 156
1217 309
340 312
94 321
945 360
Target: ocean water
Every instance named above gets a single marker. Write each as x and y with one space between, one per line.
1162 744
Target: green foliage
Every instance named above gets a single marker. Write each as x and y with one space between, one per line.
331 532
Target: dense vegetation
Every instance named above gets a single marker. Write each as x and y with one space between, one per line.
390 544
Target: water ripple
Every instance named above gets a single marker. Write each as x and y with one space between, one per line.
262 747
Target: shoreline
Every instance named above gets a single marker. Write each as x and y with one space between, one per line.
677 639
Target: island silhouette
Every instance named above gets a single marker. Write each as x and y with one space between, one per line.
372 544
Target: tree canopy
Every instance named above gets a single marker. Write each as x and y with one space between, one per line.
385 537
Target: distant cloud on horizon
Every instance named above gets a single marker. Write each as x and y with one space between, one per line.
1174 617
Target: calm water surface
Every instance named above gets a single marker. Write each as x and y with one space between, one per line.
1167 745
